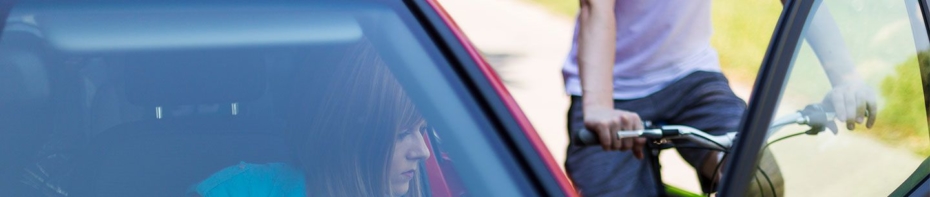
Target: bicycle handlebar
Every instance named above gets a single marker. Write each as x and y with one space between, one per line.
721 142
817 116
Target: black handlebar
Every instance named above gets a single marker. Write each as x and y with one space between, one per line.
584 137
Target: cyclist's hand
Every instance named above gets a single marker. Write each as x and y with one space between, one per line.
854 103
606 122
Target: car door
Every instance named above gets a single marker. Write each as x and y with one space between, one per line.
816 47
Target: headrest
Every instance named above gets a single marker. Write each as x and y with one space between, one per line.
191 78
22 73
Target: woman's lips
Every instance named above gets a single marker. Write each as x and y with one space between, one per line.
408 174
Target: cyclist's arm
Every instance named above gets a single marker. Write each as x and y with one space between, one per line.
597 39
596 48
850 97
825 38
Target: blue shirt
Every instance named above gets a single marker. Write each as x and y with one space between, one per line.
245 179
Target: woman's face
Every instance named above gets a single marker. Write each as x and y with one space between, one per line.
409 150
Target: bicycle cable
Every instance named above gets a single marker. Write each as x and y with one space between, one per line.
767 179
759 185
771 186
699 148
781 138
717 167
712 141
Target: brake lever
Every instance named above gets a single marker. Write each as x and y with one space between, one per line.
819 117
831 125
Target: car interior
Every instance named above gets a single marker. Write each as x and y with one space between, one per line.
152 120
146 116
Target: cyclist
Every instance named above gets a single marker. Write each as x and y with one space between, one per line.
635 60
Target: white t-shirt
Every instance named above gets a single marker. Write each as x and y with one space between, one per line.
658 42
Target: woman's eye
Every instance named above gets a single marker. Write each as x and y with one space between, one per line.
404 134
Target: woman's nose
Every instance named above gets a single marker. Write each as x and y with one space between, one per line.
420 150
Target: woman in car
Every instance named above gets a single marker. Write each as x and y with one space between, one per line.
361 136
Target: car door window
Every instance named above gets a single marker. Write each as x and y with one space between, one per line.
888 51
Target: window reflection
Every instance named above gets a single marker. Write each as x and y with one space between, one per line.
365 138
887 42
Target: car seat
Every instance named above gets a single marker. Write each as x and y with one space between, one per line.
195 122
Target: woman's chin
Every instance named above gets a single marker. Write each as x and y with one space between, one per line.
400 189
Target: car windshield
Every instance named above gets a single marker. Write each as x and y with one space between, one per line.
889 52
346 98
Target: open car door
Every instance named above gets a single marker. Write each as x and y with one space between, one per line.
873 56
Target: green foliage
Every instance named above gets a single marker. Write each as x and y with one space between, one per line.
903 119
562 7
742 31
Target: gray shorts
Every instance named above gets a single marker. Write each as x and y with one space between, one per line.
702 100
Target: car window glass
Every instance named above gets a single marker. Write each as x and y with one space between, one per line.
888 48
266 99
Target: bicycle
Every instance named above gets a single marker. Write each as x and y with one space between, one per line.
818 117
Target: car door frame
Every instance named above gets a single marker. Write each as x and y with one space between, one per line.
769 84
496 102
920 176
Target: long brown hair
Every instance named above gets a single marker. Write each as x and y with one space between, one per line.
346 146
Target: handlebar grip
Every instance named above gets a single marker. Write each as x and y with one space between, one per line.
585 137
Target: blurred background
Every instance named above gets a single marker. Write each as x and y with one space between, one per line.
527 41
